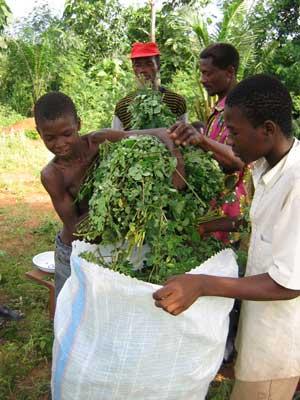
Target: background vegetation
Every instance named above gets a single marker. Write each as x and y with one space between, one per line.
85 54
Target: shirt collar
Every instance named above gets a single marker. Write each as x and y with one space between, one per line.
220 105
270 175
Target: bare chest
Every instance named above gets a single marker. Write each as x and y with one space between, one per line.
74 176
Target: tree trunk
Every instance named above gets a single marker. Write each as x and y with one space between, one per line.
153 17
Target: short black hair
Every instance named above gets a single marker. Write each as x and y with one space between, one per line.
52 106
223 55
263 97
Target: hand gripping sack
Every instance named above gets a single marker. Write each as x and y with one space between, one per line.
112 343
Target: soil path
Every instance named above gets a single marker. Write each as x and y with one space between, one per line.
21 126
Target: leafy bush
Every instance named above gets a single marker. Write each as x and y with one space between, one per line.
8 116
95 93
32 134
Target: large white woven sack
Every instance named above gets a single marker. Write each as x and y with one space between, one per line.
112 343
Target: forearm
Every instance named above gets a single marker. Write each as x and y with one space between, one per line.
111 135
256 288
112 131
222 153
158 132
224 224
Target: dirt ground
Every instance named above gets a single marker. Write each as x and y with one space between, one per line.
25 124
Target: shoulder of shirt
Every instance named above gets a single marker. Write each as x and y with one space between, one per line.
125 101
168 92
294 163
292 171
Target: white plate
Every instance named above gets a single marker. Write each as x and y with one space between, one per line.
45 261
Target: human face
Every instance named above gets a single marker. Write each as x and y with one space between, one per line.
216 81
60 135
145 68
247 142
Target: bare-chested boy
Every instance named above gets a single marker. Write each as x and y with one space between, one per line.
58 125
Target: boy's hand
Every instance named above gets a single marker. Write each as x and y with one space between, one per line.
179 293
185 134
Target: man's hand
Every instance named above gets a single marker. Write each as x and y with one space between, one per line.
185 134
179 293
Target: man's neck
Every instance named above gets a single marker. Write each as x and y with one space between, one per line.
281 150
225 92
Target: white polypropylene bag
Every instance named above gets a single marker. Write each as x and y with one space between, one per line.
112 343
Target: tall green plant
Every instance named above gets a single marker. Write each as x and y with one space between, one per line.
278 40
96 91
233 28
37 53
100 24
4 14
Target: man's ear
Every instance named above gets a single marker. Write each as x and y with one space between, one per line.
270 128
230 70
79 123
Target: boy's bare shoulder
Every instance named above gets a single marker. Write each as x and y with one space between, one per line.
91 139
94 137
51 176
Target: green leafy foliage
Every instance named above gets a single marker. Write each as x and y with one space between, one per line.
95 92
100 25
133 202
8 116
4 14
278 40
149 111
36 53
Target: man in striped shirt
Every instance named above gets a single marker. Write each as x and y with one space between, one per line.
146 64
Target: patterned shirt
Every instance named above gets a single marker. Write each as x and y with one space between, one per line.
217 130
174 101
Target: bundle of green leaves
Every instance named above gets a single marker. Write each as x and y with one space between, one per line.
132 202
149 111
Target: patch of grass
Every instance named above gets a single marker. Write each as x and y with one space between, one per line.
21 160
32 134
8 116
48 227
220 390
27 227
25 344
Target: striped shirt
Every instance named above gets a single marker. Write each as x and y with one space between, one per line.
174 101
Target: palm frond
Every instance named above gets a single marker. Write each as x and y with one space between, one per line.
230 11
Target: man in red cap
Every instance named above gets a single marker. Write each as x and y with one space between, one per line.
146 64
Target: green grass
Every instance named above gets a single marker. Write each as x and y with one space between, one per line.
220 390
27 226
21 160
26 344
8 116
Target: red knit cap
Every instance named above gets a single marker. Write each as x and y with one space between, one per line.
144 50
